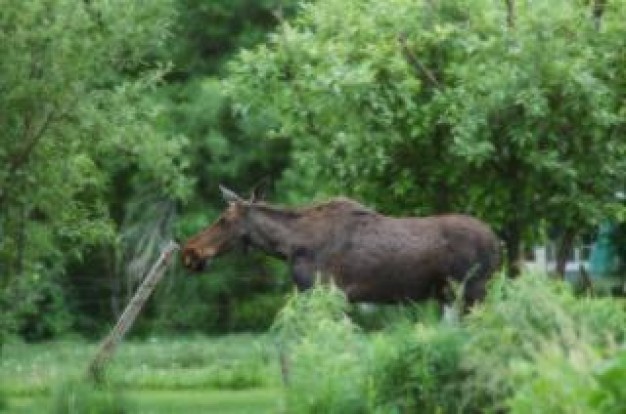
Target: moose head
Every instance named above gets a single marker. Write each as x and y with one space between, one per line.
228 231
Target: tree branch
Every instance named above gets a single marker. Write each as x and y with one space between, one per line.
416 63
33 139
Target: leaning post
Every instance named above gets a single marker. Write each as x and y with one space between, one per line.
108 345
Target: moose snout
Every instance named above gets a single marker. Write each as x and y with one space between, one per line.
193 261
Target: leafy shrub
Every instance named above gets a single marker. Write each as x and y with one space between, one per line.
3 400
334 367
325 354
257 313
519 321
417 369
611 376
531 347
188 306
47 314
555 382
575 381
371 317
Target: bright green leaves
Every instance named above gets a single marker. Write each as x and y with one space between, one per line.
610 397
439 106
74 117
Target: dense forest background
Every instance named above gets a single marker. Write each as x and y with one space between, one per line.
119 120
115 137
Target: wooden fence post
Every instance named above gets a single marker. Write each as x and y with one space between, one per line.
108 345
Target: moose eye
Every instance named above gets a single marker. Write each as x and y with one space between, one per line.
222 221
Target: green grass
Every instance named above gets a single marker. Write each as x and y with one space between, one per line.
257 401
230 374
531 347
266 400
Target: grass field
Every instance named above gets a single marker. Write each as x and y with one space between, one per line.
231 374
531 347
180 401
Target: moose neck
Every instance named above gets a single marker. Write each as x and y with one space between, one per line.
273 230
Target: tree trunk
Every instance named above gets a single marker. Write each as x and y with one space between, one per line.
586 282
510 13
21 242
564 247
513 241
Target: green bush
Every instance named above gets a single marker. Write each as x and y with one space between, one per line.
187 305
372 318
531 347
575 381
3 400
336 368
522 318
555 382
325 353
257 313
417 369
611 376
48 314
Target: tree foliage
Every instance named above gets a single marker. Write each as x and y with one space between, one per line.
222 150
510 110
74 77
427 107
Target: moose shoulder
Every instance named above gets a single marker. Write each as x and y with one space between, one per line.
371 257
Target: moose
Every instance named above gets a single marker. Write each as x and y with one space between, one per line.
369 256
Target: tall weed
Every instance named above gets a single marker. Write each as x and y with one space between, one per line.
523 318
334 367
531 347
556 381
610 374
324 352
416 368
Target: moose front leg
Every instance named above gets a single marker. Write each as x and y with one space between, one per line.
303 268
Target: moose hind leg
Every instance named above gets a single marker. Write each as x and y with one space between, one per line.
474 291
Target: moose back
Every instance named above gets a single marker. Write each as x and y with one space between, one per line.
369 256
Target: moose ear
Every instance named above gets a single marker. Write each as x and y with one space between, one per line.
258 192
230 195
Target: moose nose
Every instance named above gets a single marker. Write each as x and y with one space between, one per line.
193 262
200 265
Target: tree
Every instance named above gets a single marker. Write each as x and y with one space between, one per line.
74 117
222 149
513 111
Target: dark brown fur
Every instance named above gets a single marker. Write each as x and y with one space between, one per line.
371 257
